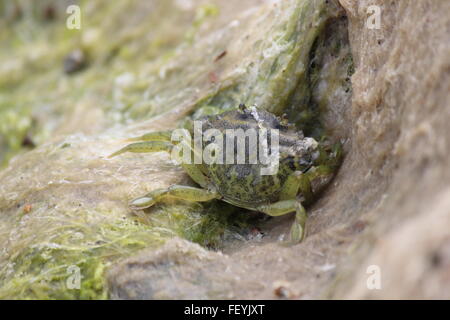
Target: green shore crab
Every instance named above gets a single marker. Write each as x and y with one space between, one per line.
304 167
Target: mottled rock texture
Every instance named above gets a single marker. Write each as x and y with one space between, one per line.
65 204
400 145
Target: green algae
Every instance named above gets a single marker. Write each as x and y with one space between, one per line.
33 51
43 270
133 75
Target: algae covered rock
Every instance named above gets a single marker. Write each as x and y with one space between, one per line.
64 216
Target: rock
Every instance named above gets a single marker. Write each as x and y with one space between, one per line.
64 205
80 219
400 144
177 270
75 61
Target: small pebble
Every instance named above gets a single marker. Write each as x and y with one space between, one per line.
27 208
283 289
74 61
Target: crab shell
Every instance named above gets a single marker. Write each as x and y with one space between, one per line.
244 184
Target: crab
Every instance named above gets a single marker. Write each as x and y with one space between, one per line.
304 167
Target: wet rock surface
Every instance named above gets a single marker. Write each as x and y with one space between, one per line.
198 274
64 204
400 110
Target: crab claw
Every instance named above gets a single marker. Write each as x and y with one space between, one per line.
142 202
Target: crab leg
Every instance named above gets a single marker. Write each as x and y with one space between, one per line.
196 174
143 147
282 207
175 191
160 141
154 136
297 181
